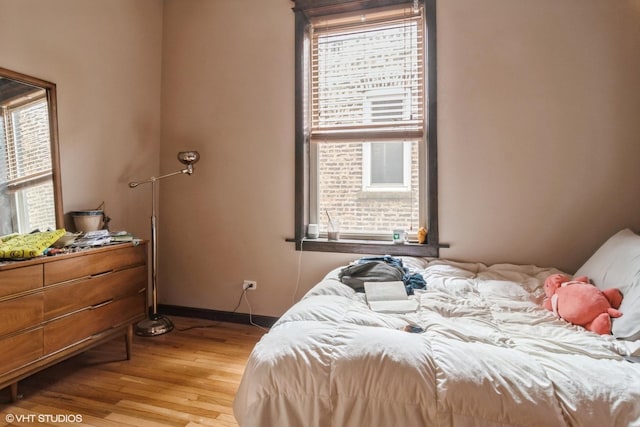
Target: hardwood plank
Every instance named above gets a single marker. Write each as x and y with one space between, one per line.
187 377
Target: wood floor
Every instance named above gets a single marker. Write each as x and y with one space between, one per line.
187 377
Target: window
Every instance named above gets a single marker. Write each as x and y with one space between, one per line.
386 166
25 163
365 155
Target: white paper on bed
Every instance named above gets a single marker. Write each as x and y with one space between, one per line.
389 297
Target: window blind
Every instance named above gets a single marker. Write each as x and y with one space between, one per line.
367 75
28 152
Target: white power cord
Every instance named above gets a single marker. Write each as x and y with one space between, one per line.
295 290
244 294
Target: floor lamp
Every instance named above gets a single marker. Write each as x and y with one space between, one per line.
158 324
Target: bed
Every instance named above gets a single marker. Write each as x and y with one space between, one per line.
486 353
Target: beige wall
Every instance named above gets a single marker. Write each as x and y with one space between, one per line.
539 130
539 107
228 92
105 58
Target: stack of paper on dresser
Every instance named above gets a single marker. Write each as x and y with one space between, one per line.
389 297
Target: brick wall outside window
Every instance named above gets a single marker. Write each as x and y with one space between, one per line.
26 150
341 193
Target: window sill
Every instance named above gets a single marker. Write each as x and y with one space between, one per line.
369 247
385 195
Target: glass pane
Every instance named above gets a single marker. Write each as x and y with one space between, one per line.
387 163
25 167
348 65
340 193
33 207
31 138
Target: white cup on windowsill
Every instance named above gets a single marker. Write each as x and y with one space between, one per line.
400 237
313 232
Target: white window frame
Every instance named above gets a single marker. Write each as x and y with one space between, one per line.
368 186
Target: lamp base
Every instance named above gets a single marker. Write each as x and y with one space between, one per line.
156 324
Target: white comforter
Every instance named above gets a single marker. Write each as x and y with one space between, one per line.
489 356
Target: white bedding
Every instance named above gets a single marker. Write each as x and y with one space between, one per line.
489 356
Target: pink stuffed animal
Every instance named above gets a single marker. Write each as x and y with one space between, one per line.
580 303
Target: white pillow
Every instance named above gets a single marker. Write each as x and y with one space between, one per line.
616 264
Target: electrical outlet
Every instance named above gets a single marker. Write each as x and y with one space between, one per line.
249 285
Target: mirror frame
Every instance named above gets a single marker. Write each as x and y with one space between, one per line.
50 89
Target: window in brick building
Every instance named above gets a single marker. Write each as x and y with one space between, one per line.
363 142
386 166
25 164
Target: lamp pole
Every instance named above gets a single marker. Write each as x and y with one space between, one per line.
157 324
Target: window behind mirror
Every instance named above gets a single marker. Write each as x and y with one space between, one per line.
26 165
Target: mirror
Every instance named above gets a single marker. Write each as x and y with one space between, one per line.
30 188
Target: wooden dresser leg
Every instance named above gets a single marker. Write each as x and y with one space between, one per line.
14 392
128 339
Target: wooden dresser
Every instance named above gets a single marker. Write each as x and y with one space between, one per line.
52 308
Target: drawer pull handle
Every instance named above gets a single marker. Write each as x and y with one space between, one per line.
102 304
93 276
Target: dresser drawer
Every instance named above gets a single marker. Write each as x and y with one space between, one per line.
93 264
17 280
54 307
68 297
20 350
20 313
82 325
